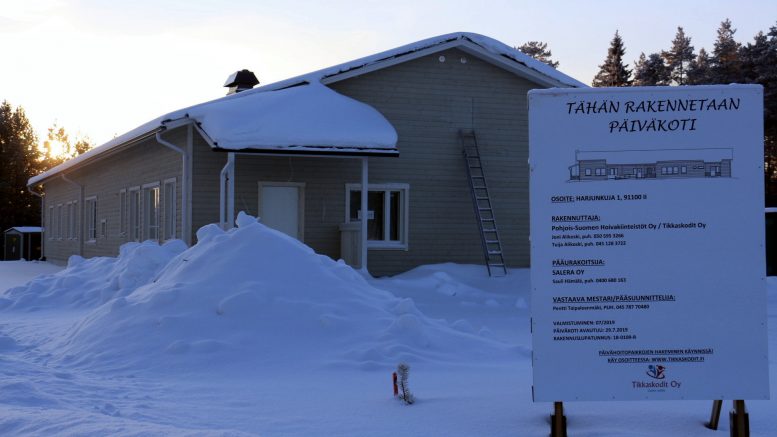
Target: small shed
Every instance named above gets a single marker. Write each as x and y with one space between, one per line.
22 242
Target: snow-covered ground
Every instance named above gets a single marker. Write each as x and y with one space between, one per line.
251 333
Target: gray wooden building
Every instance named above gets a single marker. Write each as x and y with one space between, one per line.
296 153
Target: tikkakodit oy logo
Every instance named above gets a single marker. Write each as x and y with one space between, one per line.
659 374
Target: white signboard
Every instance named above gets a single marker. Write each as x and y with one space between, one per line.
647 235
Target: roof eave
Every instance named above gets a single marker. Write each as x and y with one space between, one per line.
75 163
315 152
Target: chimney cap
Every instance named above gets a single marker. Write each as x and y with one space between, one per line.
242 79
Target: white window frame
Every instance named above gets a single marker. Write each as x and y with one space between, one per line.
74 220
169 207
59 221
404 214
90 216
147 189
50 222
123 212
134 221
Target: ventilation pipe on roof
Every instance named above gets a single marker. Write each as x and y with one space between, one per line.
240 81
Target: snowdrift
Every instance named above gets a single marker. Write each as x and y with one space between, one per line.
87 283
254 298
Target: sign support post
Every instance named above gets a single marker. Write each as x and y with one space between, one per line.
558 422
739 420
715 415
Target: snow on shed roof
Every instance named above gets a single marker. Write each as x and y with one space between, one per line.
25 229
483 46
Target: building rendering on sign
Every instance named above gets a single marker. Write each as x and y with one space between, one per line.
297 153
651 164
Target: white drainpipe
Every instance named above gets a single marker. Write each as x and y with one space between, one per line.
185 230
231 191
227 193
365 190
222 193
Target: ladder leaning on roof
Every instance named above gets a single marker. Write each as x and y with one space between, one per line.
481 201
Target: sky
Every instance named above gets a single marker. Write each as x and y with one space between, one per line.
99 68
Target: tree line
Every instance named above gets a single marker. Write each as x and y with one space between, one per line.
23 158
729 62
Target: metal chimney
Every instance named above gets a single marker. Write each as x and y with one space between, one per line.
240 81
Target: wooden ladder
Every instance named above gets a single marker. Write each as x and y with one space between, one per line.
481 200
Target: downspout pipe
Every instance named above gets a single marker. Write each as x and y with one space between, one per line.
364 211
81 235
185 231
42 239
231 191
222 194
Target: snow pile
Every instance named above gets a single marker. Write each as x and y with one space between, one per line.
90 282
253 296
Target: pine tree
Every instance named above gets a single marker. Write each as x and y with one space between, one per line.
613 72
699 69
650 71
68 150
20 161
725 63
539 51
679 56
759 65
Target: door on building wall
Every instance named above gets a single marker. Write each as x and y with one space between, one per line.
282 206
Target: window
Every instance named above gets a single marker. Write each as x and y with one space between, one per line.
91 218
387 219
614 171
588 172
123 213
134 214
50 223
70 220
103 228
59 221
169 210
683 170
675 170
151 213
600 172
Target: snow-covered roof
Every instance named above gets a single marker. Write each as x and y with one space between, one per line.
322 128
309 118
483 46
25 229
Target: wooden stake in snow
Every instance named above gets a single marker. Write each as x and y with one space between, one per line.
402 370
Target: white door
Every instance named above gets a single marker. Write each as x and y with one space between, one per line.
281 209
